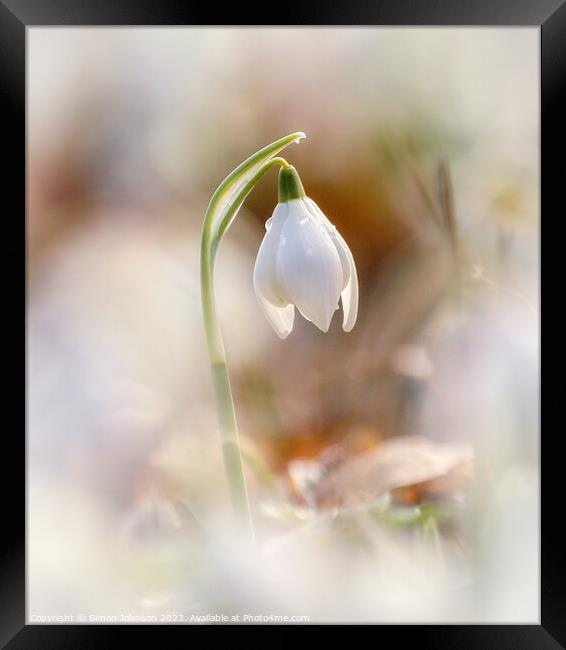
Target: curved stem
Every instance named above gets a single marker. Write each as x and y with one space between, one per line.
211 236
237 204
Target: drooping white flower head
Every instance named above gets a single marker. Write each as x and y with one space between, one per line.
303 262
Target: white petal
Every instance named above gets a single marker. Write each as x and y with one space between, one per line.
350 293
268 291
350 287
265 276
280 318
317 213
308 266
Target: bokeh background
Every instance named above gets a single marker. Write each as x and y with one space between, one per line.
393 470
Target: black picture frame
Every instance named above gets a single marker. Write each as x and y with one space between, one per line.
17 15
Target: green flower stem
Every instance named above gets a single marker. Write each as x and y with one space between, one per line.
228 217
220 212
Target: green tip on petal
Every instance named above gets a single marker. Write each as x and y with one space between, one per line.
290 186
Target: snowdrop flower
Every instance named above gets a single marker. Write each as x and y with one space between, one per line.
303 262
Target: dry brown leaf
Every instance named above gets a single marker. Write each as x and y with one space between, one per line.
409 467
